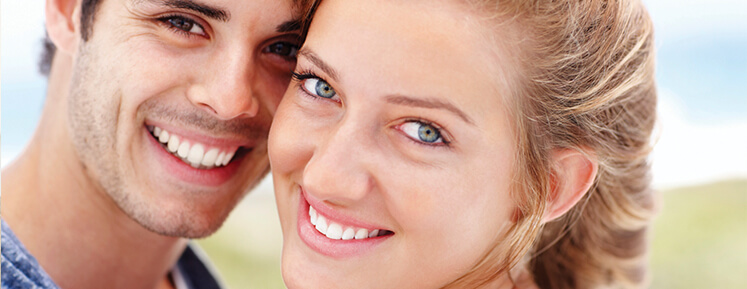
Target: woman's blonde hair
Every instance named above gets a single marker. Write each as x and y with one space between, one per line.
587 83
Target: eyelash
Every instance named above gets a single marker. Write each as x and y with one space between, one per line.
303 75
299 76
165 20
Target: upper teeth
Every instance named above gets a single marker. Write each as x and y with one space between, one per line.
336 231
193 153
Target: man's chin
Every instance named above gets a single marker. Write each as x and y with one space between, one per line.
187 225
183 220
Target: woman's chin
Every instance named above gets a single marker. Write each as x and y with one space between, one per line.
299 275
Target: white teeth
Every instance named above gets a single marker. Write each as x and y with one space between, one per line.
334 231
228 157
373 233
209 158
321 224
361 234
348 234
183 150
173 143
164 137
195 154
219 159
312 215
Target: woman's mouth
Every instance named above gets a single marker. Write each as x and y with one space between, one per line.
335 235
336 231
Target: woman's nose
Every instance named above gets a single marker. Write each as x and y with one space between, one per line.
338 171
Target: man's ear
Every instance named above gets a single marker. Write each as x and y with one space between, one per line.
575 171
63 24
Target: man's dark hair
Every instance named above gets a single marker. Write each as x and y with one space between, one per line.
87 11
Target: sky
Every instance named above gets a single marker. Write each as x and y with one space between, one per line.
701 75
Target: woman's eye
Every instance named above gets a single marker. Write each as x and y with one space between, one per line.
318 87
183 24
422 132
285 49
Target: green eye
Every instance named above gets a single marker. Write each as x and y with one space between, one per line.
428 133
422 132
319 87
324 90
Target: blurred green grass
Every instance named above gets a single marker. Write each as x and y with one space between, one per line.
699 239
246 250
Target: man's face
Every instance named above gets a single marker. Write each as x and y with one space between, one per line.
171 102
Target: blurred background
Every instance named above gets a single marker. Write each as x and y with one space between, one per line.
699 239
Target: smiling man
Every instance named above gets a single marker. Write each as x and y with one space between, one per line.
154 127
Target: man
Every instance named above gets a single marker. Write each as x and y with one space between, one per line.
154 127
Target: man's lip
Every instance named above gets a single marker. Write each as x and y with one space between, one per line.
205 137
177 168
334 215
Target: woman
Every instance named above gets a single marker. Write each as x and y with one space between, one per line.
467 144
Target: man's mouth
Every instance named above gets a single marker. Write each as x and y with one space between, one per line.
336 231
191 152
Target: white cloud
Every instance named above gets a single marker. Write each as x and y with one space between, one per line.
22 31
689 153
683 19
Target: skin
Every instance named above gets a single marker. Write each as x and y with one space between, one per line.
91 193
356 154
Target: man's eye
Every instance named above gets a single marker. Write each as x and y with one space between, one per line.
184 25
422 132
284 49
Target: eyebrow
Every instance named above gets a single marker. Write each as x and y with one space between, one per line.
289 26
204 9
305 52
429 103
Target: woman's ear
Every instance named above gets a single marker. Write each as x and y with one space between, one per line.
575 171
63 24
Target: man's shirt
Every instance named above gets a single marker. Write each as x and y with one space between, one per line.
20 270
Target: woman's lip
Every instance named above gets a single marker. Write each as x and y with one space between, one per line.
335 216
333 248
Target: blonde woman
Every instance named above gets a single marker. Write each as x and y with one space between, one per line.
467 144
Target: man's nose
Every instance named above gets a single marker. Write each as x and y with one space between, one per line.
226 88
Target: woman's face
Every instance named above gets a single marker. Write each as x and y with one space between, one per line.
392 150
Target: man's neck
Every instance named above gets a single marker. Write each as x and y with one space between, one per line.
73 228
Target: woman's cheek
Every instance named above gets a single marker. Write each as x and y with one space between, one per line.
289 144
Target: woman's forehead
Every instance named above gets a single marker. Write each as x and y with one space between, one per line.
412 48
